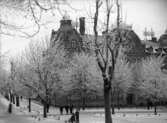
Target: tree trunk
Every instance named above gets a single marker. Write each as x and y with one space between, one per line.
10 97
118 101
83 103
14 101
10 108
155 108
113 109
67 100
155 102
29 104
17 101
55 100
7 97
48 106
70 101
107 104
45 110
112 102
148 104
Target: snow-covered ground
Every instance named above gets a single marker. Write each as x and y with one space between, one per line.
21 115
132 118
126 115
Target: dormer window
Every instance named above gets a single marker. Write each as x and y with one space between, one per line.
73 43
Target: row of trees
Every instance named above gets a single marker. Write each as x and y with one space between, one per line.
153 84
48 74
44 73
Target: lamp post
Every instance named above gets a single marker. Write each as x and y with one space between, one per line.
155 99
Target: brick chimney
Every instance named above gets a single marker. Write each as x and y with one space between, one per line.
65 23
154 39
82 25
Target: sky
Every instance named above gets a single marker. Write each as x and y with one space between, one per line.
146 13
139 13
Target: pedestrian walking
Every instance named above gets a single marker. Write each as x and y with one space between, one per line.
61 110
72 118
71 109
66 108
21 97
77 116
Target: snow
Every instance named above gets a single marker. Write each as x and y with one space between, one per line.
126 115
130 118
3 101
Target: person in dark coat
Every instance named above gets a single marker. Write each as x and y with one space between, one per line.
151 104
61 110
72 118
71 109
77 116
21 97
66 108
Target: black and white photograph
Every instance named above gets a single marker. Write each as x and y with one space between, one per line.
83 61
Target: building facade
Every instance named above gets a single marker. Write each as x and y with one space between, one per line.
68 38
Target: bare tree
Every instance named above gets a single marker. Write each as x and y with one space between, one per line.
106 57
31 10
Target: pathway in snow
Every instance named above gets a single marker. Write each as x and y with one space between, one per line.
5 117
21 115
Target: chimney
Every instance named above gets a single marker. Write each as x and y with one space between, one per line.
154 39
82 25
65 23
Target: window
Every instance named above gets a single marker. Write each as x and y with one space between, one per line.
73 43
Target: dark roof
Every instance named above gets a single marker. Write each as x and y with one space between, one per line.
163 40
66 37
132 46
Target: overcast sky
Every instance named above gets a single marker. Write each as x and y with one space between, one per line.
139 13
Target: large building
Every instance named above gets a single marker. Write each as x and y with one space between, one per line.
132 46
68 38
156 47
